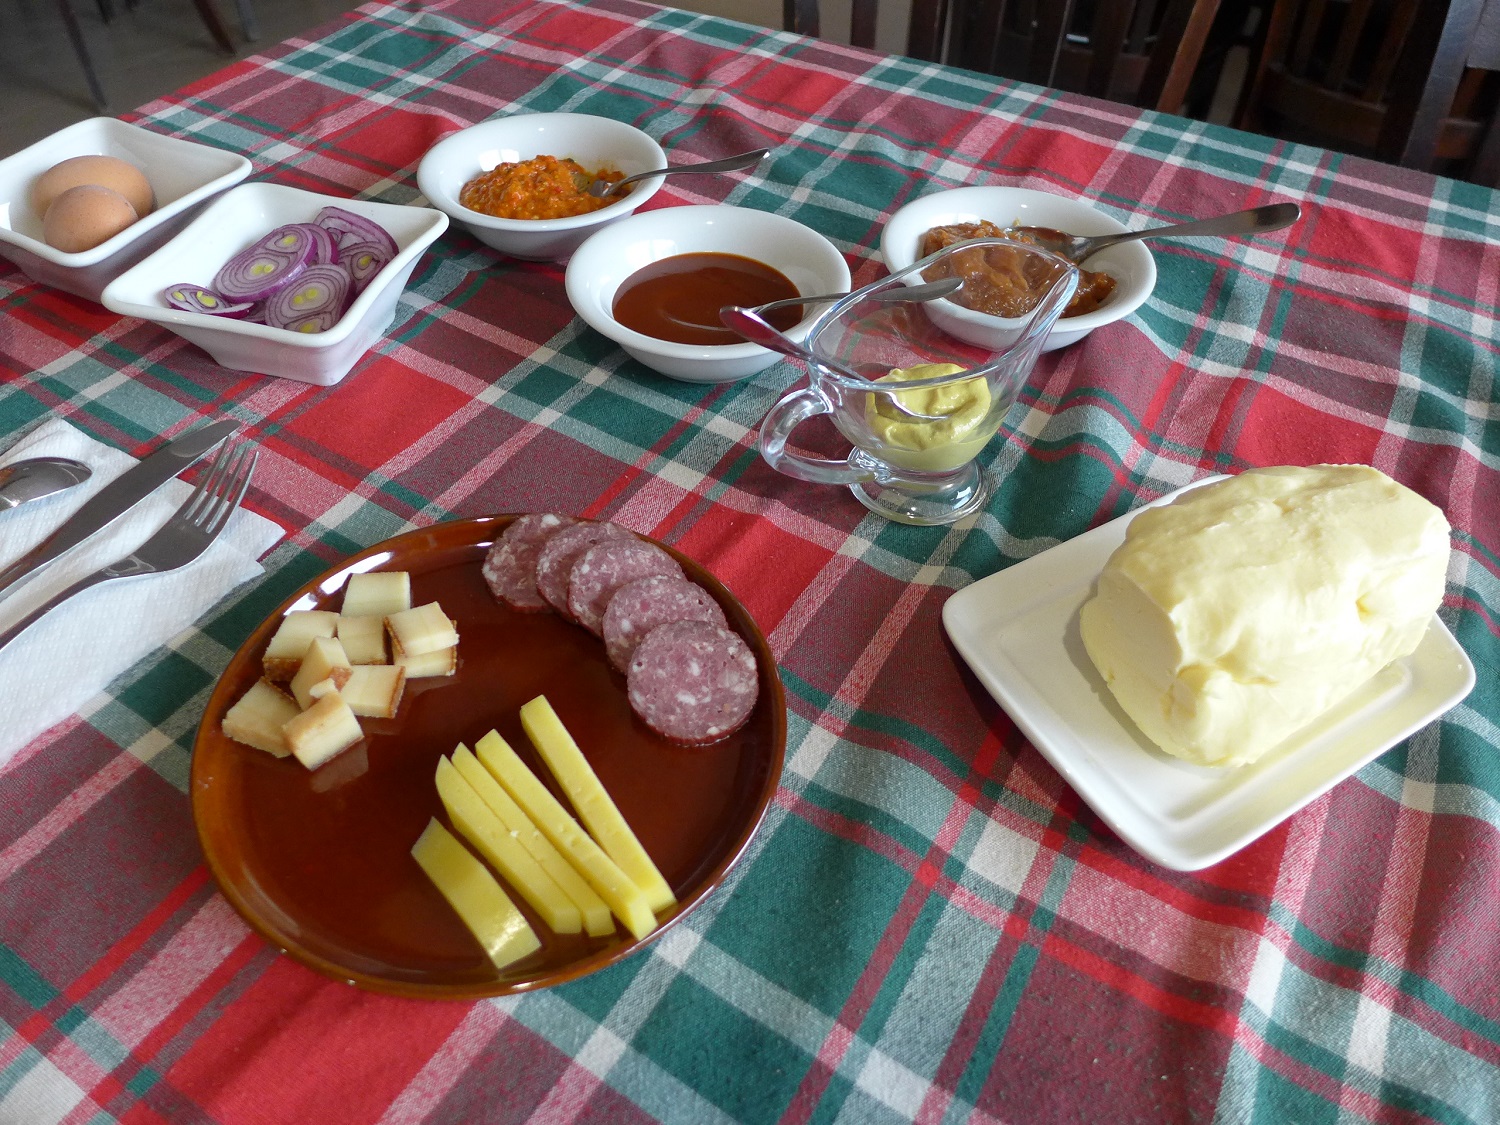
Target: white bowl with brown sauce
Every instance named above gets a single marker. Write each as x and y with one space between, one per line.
679 264
595 143
1130 265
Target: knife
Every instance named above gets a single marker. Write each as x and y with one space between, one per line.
118 497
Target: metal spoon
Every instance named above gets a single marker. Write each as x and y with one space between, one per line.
748 323
931 291
37 477
602 189
1257 220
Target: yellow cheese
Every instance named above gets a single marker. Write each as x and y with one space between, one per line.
475 895
604 875
289 644
324 659
597 919
482 828
325 729
592 802
421 629
363 638
1245 609
258 717
377 593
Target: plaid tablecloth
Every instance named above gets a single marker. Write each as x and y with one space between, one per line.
931 925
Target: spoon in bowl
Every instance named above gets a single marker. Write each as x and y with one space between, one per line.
931 291
1257 220
603 189
748 323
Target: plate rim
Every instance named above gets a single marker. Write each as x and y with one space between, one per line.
470 990
961 618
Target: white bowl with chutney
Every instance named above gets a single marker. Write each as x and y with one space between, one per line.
1130 264
594 142
605 265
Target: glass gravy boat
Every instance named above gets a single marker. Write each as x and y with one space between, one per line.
917 431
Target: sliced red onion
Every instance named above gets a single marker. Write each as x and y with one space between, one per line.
349 227
195 298
363 260
319 293
324 248
259 271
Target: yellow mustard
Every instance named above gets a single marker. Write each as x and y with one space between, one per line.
931 446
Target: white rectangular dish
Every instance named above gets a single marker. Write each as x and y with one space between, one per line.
230 224
1018 631
183 174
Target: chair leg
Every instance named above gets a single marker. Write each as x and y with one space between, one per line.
248 23
215 25
80 48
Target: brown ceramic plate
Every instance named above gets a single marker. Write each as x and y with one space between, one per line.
319 862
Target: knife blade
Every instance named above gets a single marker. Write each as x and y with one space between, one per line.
118 497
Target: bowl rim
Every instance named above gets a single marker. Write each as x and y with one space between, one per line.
629 338
1119 306
238 166
354 315
462 139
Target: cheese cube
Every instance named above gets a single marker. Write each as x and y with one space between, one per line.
443 662
290 641
374 690
325 659
325 729
421 629
257 717
363 638
378 593
1245 609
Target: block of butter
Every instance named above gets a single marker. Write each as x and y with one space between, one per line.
1239 613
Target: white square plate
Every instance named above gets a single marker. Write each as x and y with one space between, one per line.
1018 631
182 173
234 221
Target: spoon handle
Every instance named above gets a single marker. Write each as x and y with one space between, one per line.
728 164
1257 220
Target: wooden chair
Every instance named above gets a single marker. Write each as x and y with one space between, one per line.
1411 82
1139 51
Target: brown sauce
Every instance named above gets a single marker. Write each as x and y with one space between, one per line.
678 299
1004 281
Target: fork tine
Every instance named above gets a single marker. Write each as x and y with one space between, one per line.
190 506
231 488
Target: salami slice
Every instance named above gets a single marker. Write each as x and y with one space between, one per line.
554 566
603 569
642 605
510 567
692 682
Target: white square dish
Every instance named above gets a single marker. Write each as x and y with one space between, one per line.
1018 631
183 174
232 223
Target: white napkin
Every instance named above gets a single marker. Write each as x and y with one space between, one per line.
74 651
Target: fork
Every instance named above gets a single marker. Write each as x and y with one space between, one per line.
180 540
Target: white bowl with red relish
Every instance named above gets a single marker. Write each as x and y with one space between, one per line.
595 143
679 264
239 219
1130 265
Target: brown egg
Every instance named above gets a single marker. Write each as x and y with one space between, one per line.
84 216
103 171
